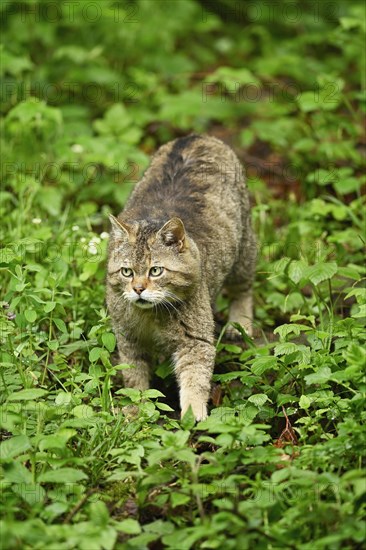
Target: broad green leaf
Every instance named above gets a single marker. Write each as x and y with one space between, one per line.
99 513
233 77
26 395
285 348
129 526
286 329
359 293
133 394
30 315
320 377
57 440
179 499
188 421
14 446
62 475
304 402
7 255
163 407
297 270
321 272
49 306
63 398
90 267
361 313
109 340
262 364
94 354
232 348
15 472
60 324
258 399
83 411
152 394
31 493
280 475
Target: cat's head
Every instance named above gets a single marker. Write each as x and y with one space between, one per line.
152 264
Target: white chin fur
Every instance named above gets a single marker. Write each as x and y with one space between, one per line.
143 305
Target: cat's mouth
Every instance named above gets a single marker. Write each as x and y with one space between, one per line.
144 304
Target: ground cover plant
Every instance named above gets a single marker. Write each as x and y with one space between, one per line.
89 90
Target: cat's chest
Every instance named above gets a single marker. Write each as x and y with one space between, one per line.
153 332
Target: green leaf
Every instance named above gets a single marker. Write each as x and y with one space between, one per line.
233 77
83 411
321 272
285 348
320 377
32 493
63 398
94 354
90 268
188 421
293 328
258 399
26 395
262 364
53 345
60 324
62 475
129 526
7 255
232 348
359 293
99 514
152 394
109 341
57 440
297 270
163 407
361 313
15 472
133 394
308 101
30 315
179 499
343 186
14 446
304 402
49 306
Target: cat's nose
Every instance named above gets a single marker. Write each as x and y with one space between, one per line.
138 288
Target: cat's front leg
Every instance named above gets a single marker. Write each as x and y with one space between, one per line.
194 365
138 375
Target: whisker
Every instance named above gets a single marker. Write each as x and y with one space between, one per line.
170 294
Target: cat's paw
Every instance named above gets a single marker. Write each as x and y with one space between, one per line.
199 410
131 412
235 335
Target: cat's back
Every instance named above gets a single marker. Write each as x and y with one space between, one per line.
199 179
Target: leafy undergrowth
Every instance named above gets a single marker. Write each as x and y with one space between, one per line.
88 94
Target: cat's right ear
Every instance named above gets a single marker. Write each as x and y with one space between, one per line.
120 230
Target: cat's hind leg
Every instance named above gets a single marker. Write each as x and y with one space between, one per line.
241 309
239 287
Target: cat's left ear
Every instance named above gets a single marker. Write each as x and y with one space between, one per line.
119 229
173 233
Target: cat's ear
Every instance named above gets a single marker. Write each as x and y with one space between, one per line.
173 233
120 230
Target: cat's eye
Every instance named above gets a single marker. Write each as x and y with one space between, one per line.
156 271
126 271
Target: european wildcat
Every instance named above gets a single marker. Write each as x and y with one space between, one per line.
184 233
